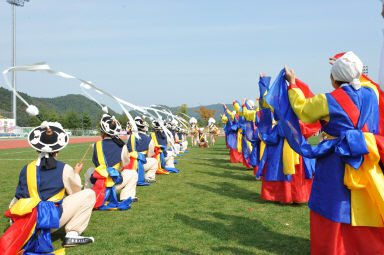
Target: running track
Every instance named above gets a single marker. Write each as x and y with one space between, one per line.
12 144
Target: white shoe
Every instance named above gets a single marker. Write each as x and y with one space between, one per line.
72 239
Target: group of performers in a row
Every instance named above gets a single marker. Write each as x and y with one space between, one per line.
341 178
203 137
50 194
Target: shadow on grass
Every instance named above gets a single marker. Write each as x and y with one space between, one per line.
172 249
217 152
225 163
232 250
230 175
221 163
247 232
230 190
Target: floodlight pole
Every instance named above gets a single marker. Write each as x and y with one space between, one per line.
14 64
14 3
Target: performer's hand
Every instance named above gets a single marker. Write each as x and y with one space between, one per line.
262 75
290 76
332 60
78 168
245 99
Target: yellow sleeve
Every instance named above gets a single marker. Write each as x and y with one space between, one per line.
249 115
231 114
309 110
224 119
237 108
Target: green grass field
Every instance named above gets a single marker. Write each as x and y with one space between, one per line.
210 207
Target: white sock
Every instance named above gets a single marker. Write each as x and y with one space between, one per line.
72 234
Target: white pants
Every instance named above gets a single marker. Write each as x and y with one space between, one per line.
127 187
177 148
169 161
150 168
212 138
184 145
77 210
195 140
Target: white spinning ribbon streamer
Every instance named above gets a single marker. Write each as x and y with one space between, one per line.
43 67
38 67
167 132
174 117
86 85
122 103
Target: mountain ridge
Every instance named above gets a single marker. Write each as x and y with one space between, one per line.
77 103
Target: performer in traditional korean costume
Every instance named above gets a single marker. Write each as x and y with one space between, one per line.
183 143
234 136
139 146
251 144
203 141
109 156
165 158
347 198
212 130
286 176
194 131
177 147
248 128
184 139
40 205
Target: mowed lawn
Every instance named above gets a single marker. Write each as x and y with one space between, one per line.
210 207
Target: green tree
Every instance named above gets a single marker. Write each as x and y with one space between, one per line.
61 120
34 122
182 110
53 116
123 119
200 122
86 120
44 114
71 119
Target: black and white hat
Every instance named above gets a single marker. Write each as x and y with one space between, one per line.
140 123
156 125
48 137
110 125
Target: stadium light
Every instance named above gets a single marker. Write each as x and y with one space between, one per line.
15 3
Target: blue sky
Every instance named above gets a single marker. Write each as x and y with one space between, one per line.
185 51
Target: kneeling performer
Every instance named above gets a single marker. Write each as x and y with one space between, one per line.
109 156
40 204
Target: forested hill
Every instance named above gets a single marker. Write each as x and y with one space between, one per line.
50 108
75 110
